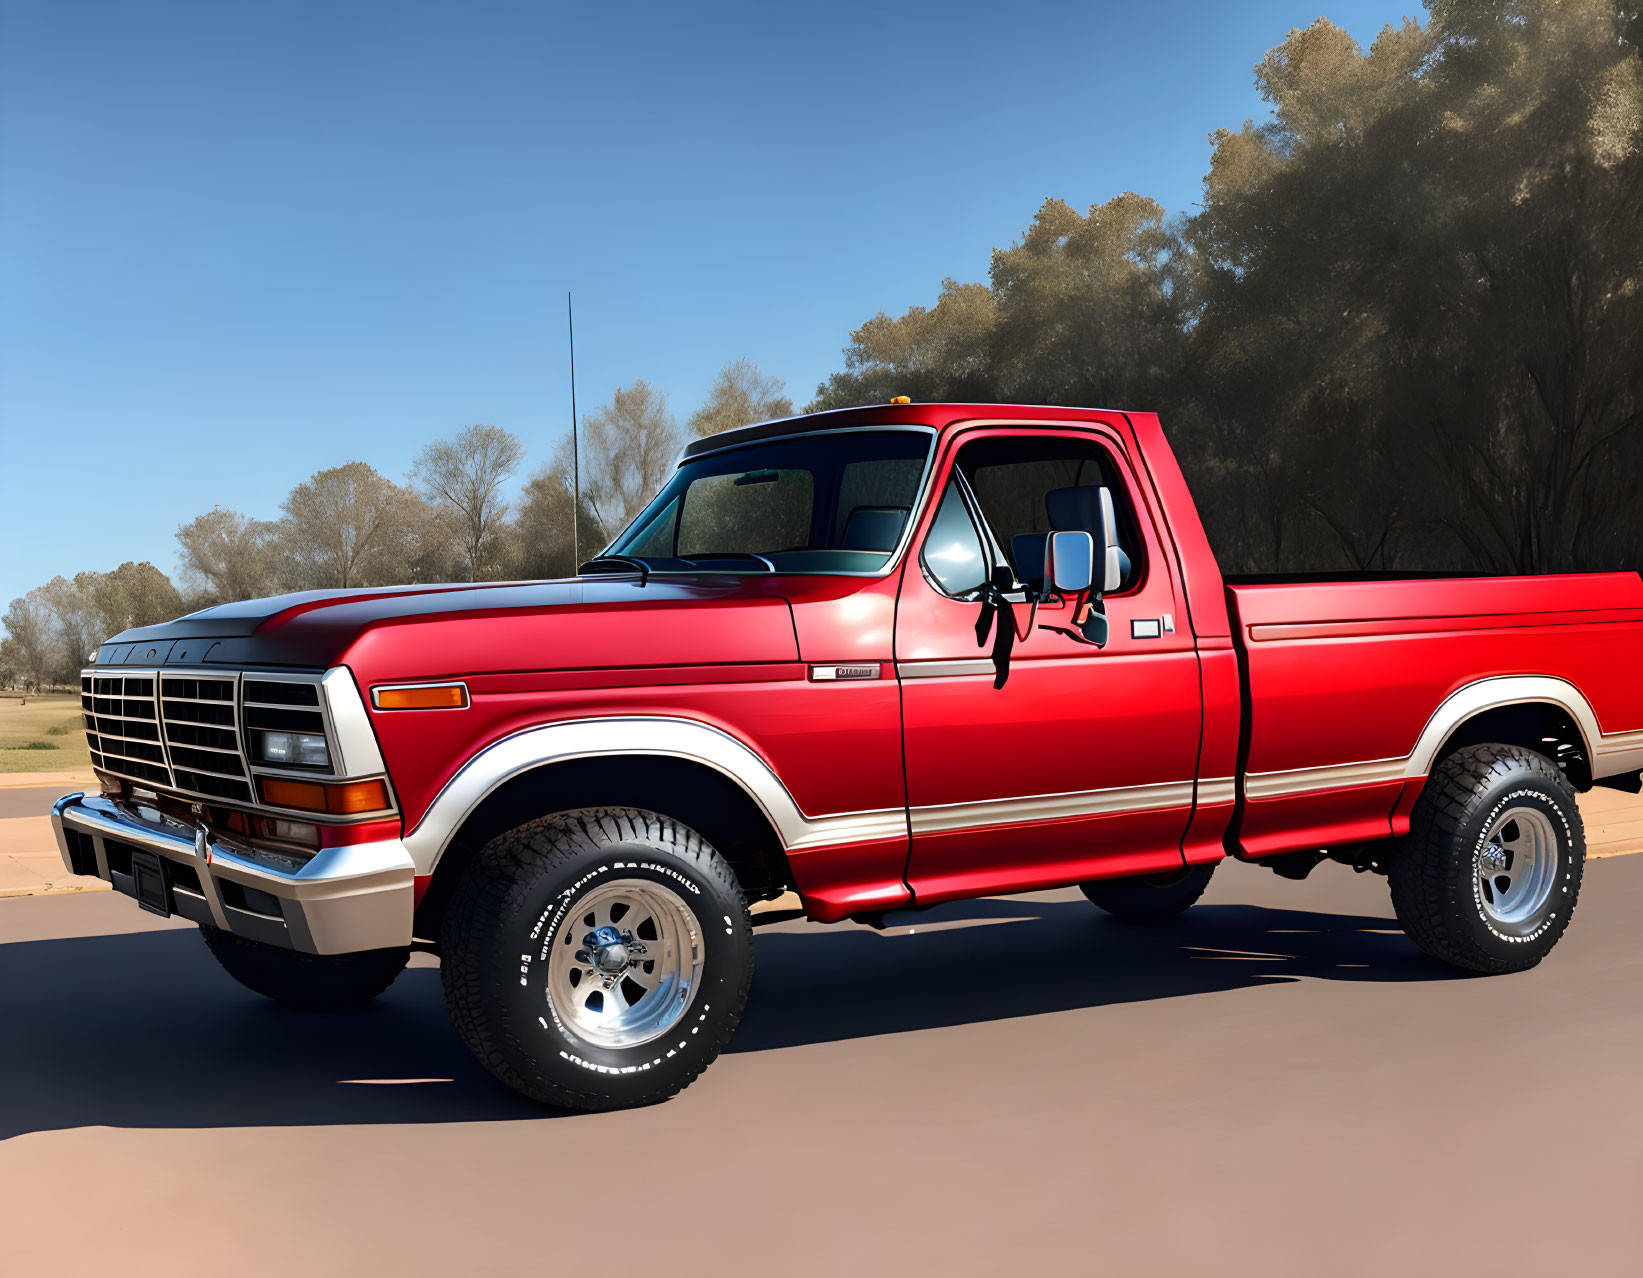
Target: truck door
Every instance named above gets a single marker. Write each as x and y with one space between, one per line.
1082 765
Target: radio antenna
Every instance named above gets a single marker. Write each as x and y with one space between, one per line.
575 449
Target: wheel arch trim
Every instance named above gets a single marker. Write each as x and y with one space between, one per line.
1616 752
654 736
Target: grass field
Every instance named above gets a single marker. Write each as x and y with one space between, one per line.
44 735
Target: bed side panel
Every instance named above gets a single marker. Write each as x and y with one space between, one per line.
1344 676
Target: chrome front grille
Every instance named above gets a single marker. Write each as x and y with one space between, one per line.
202 739
122 726
184 732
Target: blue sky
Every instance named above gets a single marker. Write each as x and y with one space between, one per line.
241 241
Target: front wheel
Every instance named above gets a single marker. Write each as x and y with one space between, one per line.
597 959
1489 874
313 982
1151 898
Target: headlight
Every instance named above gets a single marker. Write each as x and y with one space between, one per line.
292 749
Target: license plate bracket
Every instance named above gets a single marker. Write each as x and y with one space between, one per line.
153 884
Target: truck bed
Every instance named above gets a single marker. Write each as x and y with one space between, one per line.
1339 678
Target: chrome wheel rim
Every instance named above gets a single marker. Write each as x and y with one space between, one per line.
634 982
1517 866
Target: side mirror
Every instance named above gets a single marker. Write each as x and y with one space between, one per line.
1069 561
1112 575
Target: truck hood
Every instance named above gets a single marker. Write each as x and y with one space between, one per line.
412 632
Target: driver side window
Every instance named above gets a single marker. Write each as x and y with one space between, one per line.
954 556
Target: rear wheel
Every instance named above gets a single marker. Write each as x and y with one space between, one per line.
315 982
1152 898
1488 877
597 959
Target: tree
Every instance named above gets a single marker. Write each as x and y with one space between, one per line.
1084 309
29 633
542 531
227 557
629 447
1432 337
740 395
132 595
1401 332
465 475
349 526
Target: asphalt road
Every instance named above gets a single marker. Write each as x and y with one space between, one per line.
1279 1084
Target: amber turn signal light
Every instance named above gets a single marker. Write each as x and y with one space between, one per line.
347 798
422 696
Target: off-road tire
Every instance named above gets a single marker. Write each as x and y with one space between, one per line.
1434 871
1152 898
313 982
517 899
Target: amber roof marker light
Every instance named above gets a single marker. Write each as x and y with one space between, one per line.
901 399
421 696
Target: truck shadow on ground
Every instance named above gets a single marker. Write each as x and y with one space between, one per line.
143 1029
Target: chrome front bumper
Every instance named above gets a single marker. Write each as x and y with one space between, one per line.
350 898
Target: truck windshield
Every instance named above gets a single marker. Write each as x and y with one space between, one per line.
825 503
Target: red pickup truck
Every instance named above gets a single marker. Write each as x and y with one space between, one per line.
879 658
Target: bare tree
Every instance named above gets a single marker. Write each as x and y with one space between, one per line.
74 627
465 474
29 631
740 395
542 532
628 449
134 594
349 526
227 556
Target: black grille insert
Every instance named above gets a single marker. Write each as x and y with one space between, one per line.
285 720
281 694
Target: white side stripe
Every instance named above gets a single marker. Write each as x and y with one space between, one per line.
1609 753
1268 785
1050 807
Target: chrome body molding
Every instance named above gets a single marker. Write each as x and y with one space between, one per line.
1271 785
1217 790
1609 753
356 742
357 897
639 735
798 831
944 669
939 818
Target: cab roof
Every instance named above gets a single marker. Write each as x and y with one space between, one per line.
938 416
